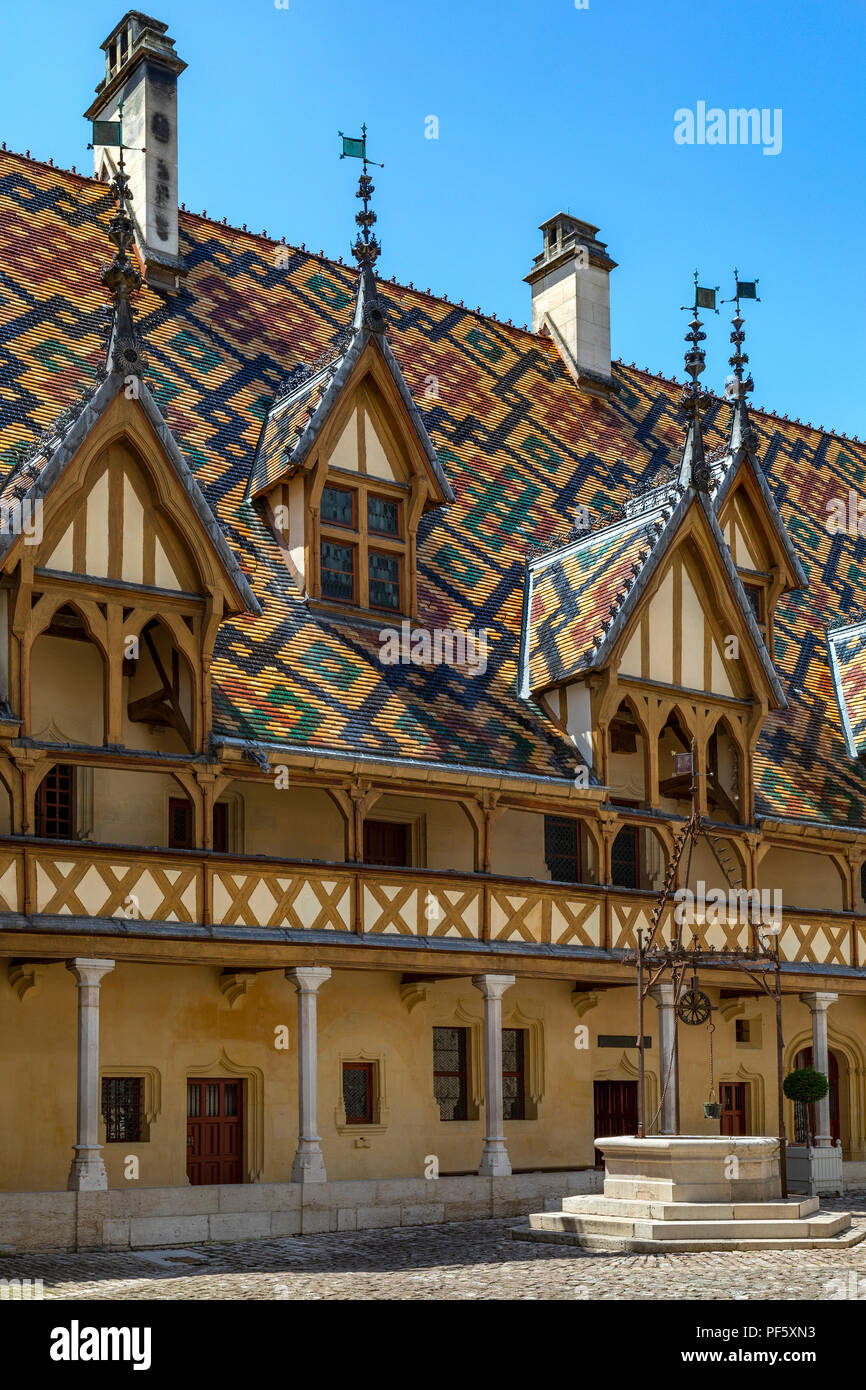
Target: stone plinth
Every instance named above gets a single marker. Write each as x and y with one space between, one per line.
686 1168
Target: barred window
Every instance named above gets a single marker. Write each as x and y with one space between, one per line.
180 823
625 859
513 1073
562 848
449 1072
358 1092
55 803
121 1109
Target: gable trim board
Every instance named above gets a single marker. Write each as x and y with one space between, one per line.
350 359
79 431
669 528
725 486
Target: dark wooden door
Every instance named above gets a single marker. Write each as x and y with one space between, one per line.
732 1095
804 1059
615 1105
214 1131
386 842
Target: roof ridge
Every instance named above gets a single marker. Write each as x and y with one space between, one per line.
410 288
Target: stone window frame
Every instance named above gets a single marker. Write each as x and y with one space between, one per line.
151 1098
381 1107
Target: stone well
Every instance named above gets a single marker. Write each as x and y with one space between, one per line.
670 1193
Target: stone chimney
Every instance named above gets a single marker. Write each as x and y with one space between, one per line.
570 280
141 70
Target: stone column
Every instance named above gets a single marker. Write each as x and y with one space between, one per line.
663 994
309 1165
819 1004
494 1159
87 1173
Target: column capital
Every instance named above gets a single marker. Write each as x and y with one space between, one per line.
89 970
819 1001
493 986
308 978
663 993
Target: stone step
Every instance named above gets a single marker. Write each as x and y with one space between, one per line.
843 1241
597 1205
630 1228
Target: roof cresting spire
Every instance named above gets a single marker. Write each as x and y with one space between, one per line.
738 385
366 248
122 279
694 471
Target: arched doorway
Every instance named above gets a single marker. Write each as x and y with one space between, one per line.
804 1114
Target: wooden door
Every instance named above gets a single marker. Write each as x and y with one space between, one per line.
214 1131
733 1096
615 1106
386 842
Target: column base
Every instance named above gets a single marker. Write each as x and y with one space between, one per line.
495 1162
309 1166
87 1173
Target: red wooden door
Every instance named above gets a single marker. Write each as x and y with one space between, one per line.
214 1131
732 1094
615 1105
804 1059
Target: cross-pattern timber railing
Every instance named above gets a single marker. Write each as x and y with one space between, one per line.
59 878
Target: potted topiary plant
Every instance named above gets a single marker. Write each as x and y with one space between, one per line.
811 1168
805 1085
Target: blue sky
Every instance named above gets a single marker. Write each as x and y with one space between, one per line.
540 106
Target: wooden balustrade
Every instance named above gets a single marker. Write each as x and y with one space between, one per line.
85 880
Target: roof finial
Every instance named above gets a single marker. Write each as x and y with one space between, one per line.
366 248
736 387
693 401
122 278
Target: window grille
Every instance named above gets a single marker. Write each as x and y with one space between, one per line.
55 804
449 1072
562 848
121 1109
358 1092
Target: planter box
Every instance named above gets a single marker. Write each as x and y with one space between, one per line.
813 1171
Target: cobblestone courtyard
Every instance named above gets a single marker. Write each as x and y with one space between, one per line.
467 1260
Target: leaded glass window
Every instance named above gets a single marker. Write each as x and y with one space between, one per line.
384 580
449 1072
338 571
513 1074
358 1092
383 515
338 506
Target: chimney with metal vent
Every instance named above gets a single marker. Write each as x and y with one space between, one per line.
570 280
141 72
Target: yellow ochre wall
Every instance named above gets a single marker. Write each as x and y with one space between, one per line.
174 1022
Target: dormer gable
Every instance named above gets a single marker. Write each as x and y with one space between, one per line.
118 504
757 538
344 471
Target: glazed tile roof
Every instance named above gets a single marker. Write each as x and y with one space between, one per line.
286 421
572 593
519 445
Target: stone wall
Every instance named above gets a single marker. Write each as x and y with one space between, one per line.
165 1216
